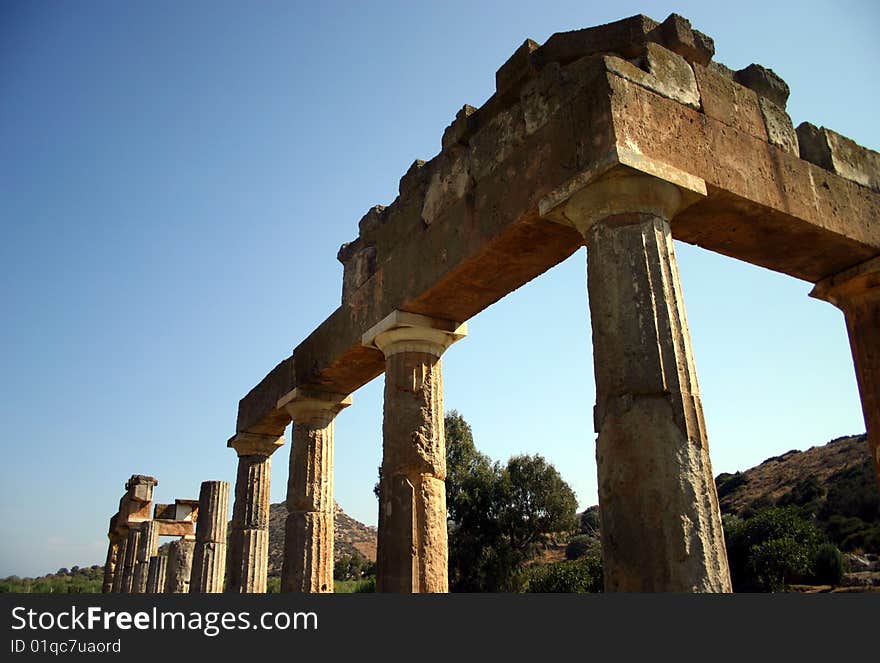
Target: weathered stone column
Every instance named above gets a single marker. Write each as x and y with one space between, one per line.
248 562
413 551
158 569
661 523
856 292
209 559
148 545
308 537
112 555
119 566
132 542
179 567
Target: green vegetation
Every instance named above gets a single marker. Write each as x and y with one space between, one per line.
578 576
776 547
499 515
353 567
73 581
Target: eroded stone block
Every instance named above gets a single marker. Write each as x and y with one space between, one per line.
458 132
780 130
518 68
766 82
677 35
728 102
664 72
839 154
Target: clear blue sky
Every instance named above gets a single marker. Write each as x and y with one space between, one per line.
177 178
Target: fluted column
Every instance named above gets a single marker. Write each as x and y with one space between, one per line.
308 539
119 566
412 553
248 561
856 292
661 523
132 542
209 559
148 545
179 567
111 562
158 568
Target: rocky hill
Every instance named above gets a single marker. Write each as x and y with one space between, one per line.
814 478
350 537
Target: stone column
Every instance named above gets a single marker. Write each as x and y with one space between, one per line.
131 546
412 551
111 561
158 568
248 561
308 538
209 559
119 566
148 546
856 292
661 523
179 567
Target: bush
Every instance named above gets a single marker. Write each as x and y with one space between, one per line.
828 565
578 546
770 549
579 576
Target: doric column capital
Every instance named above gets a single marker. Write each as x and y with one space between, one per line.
410 332
255 444
851 287
304 404
622 196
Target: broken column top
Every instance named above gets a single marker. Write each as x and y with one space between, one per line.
141 480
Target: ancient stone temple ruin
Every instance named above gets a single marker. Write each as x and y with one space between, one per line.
618 138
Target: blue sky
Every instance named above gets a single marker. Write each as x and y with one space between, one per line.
177 179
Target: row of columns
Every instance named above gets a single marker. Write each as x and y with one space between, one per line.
193 565
661 521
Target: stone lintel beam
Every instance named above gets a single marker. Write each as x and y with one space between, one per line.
661 522
412 551
308 541
765 205
175 527
856 292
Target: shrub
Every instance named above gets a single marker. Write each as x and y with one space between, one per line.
578 576
828 565
578 546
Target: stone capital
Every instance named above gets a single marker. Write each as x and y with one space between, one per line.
410 332
304 404
851 287
629 188
255 444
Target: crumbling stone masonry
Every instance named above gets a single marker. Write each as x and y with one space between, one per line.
133 564
179 566
619 138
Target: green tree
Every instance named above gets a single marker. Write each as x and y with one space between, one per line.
771 548
498 515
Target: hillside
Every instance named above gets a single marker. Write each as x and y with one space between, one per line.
796 476
350 537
